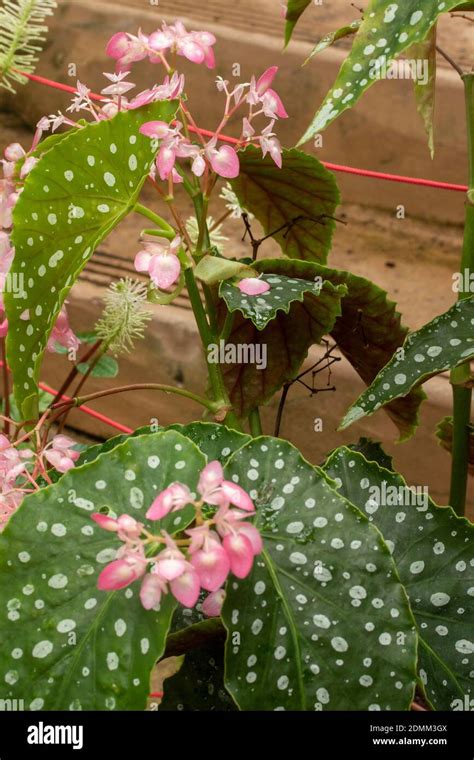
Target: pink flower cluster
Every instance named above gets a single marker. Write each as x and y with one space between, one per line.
21 467
222 544
129 48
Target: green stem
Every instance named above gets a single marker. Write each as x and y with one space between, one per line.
140 387
227 326
255 423
167 230
462 395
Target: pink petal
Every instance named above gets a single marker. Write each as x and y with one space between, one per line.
253 286
237 496
253 535
240 553
191 50
212 604
120 573
225 162
186 588
165 269
211 477
150 591
14 152
165 161
105 522
142 261
212 567
276 105
118 45
129 526
264 82
198 166
155 129
171 568
176 496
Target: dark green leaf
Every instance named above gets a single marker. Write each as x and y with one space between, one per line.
75 195
294 10
107 366
386 31
66 645
443 343
301 195
322 622
432 549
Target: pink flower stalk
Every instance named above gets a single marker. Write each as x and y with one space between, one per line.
212 604
253 286
63 334
161 263
60 453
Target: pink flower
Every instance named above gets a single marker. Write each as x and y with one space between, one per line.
211 563
126 49
210 482
160 262
253 286
212 604
151 590
8 198
266 79
62 334
272 105
225 161
61 454
14 152
240 553
171 562
170 89
122 572
118 86
186 587
270 144
105 522
173 498
28 165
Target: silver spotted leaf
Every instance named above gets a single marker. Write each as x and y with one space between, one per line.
387 30
65 644
76 194
433 551
443 343
322 622
263 308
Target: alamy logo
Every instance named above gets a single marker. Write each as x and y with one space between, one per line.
238 353
45 734
416 69
12 705
466 704
397 496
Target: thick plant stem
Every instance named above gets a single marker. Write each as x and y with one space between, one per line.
462 395
216 380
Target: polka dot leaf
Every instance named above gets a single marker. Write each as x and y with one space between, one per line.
443 343
76 194
294 202
367 330
388 29
279 347
65 644
332 37
294 9
322 622
433 551
263 308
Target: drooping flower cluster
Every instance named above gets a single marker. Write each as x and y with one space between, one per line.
202 560
20 467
